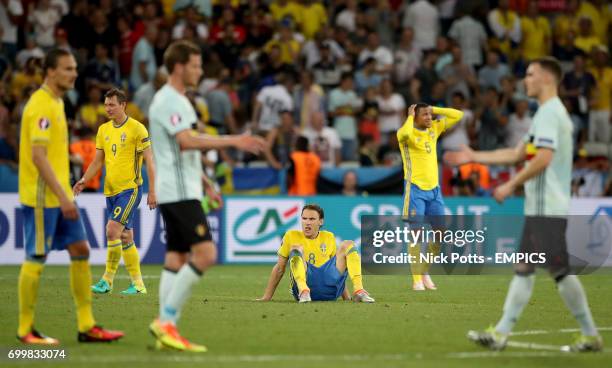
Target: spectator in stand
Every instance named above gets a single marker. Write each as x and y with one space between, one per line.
42 19
586 39
8 141
283 9
600 13
459 134
391 110
327 72
471 37
304 169
100 31
190 19
143 59
368 123
368 151
101 70
343 106
220 108
31 50
349 184
579 86
280 141
308 99
10 13
407 59
599 117
144 94
381 54
566 22
324 141
82 154
536 40
389 154
381 19
506 27
92 113
579 133
311 51
491 74
519 123
425 77
314 17
458 76
271 101
444 54
424 18
128 39
493 120
367 77
347 17
286 42
31 75
221 28
228 47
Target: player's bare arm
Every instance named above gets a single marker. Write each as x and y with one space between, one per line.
536 166
148 159
91 171
39 158
188 141
275 277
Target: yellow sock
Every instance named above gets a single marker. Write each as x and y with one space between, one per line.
132 263
113 257
433 250
415 267
298 271
353 264
28 290
80 281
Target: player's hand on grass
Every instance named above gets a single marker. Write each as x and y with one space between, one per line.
69 209
78 187
456 158
252 144
152 200
503 191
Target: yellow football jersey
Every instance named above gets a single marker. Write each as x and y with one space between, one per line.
418 147
43 123
316 251
123 146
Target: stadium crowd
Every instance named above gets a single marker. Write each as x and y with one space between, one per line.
341 73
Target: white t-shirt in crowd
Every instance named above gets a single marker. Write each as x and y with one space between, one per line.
273 99
516 129
390 123
324 143
9 30
458 135
383 56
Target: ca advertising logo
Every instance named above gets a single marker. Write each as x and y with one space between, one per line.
271 224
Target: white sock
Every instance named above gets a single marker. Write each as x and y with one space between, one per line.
184 281
518 296
165 286
573 295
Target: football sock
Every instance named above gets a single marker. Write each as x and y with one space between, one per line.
165 286
29 277
353 264
573 295
298 271
518 296
132 263
415 267
185 279
80 281
432 250
113 256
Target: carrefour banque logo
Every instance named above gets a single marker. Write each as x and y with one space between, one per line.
270 224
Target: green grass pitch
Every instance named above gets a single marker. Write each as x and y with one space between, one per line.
403 329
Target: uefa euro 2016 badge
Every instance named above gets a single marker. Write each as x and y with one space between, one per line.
323 247
44 124
175 119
